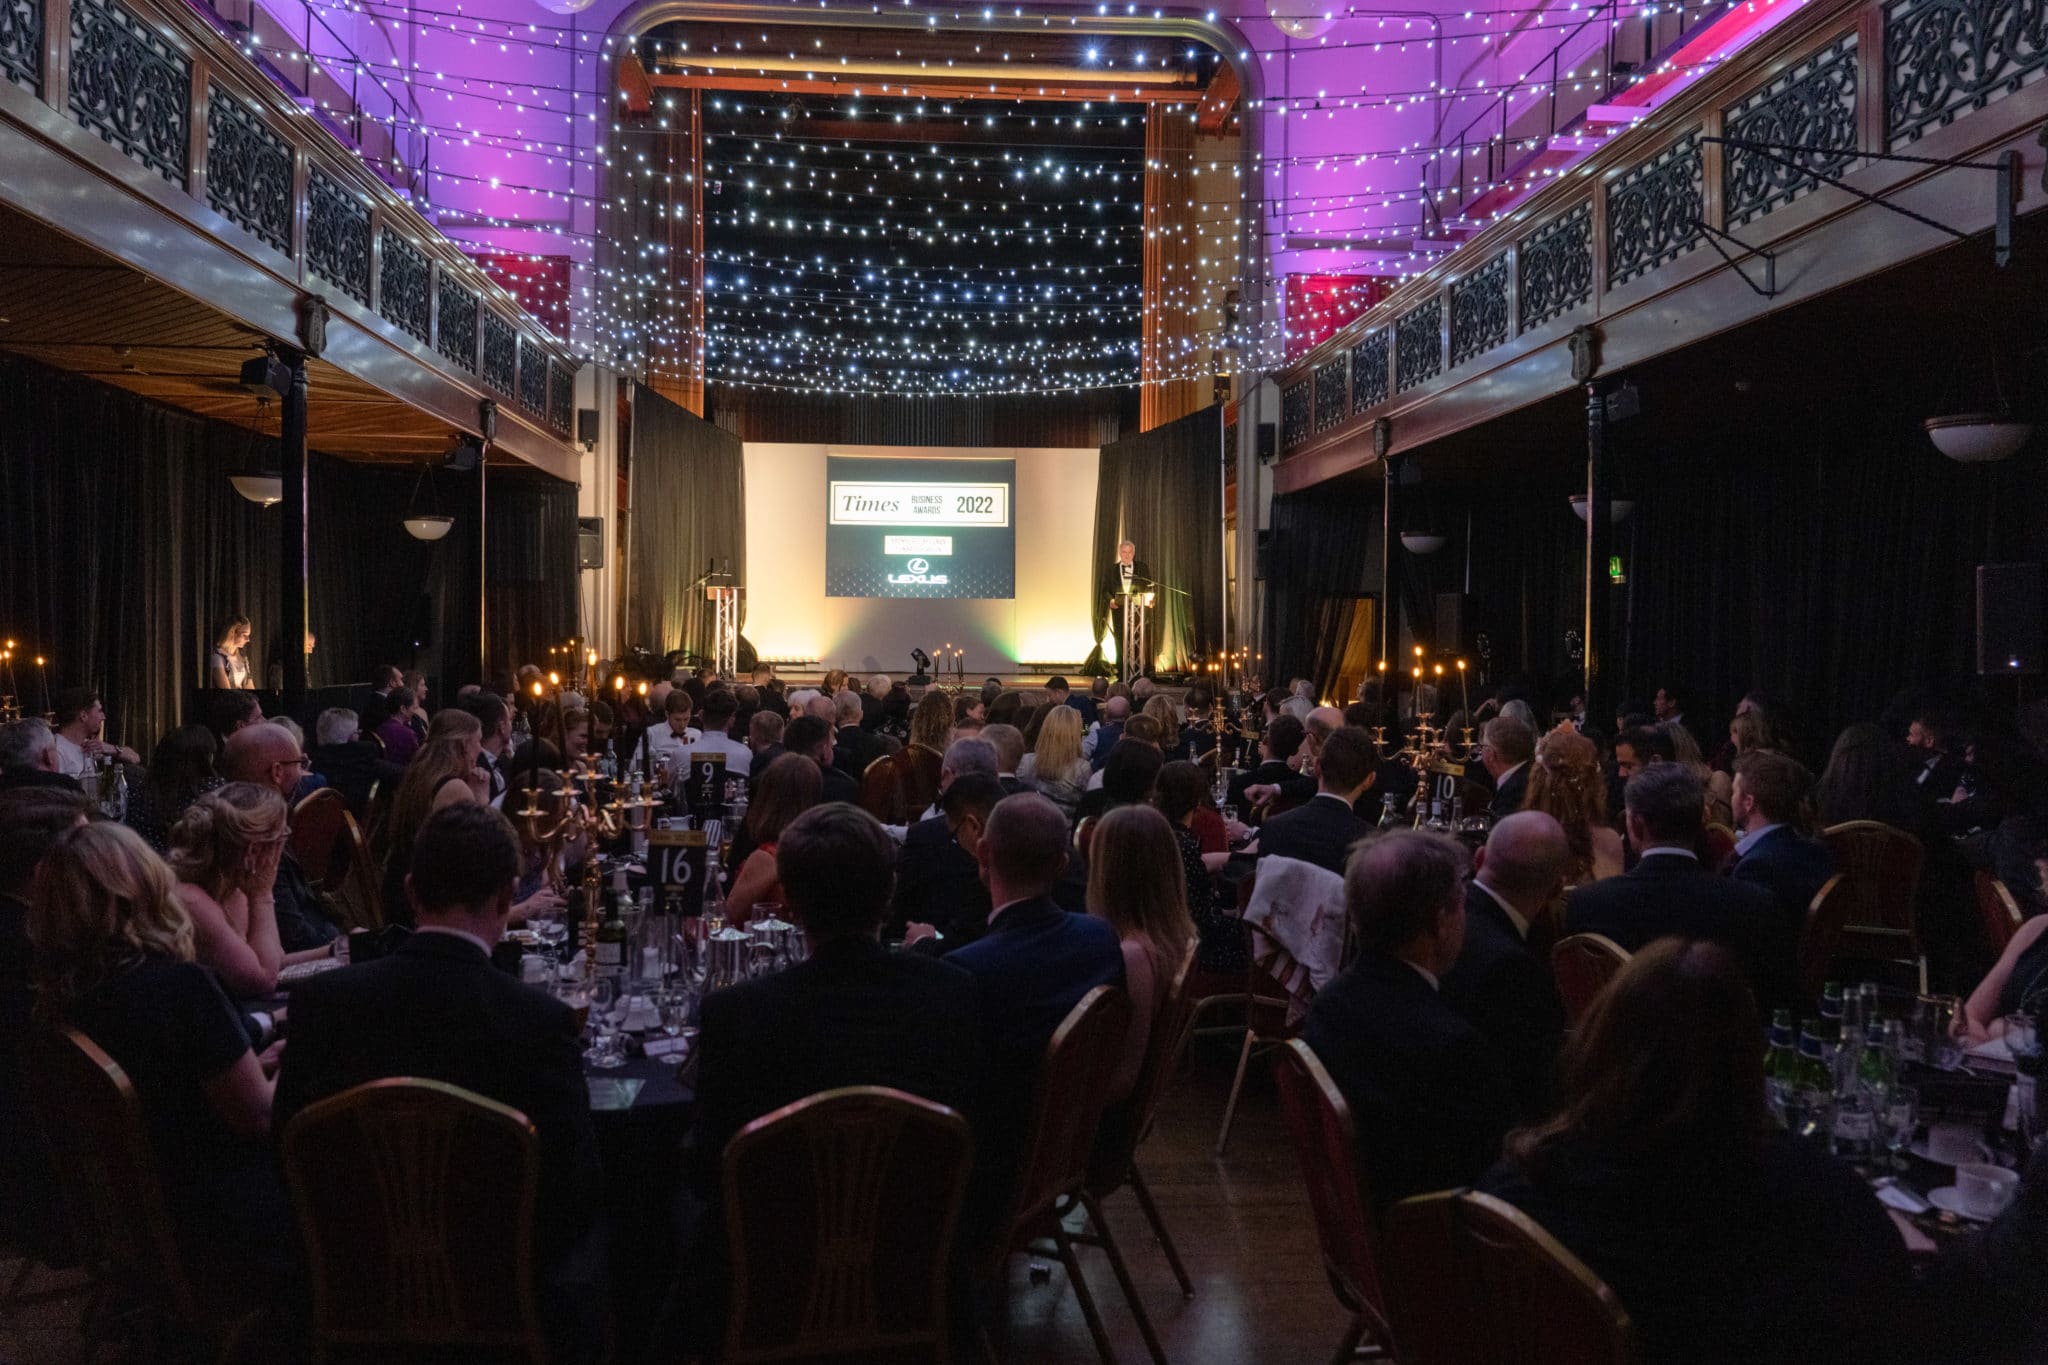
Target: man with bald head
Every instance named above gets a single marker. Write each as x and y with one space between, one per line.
269 756
1106 732
1502 988
1033 965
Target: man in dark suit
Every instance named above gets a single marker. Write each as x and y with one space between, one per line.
1498 985
438 1009
852 1014
351 765
1427 1092
1323 830
1668 892
1057 693
1115 713
1772 854
812 737
28 756
1505 749
1034 964
855 746
1280 742
941 901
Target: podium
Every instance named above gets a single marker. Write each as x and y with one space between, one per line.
1130 657
725 628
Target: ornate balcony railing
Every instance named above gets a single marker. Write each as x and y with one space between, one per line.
230 153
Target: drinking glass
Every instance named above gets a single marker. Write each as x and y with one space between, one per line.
1230 813
607 1045
2023 1041
1901 1117
552 931
677 1009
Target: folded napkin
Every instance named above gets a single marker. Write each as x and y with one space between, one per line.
1298 910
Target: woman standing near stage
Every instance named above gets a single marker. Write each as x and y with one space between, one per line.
227 666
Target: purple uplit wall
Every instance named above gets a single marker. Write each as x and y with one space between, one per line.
1384 137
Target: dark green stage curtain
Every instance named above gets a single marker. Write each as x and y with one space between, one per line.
1325 555
689 510
1163 490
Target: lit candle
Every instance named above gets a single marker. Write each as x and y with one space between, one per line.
1464 694
45 675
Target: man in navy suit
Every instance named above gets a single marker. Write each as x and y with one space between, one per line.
1033 965
1772 854
1505 750
1668 892
1501 987
438 1009
1427 1093
1058 694
1323 830
1115 712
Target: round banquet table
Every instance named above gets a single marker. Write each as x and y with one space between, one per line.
641 1149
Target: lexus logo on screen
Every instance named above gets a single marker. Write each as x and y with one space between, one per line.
918 571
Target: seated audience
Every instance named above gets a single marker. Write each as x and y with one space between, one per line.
311 780
393 727
791 785
1323 830
1506 747
494 757
28 756
1566 783
416 715
81 723
575 724
351 766
1640 747
1668 892
1280 742
1182 796
436 1009
931 724
2017 982
112 956
764 738
1428 1095
268 756
1034 964
180 769
1766 797
224 851
720 706
1103 735
1871 776
1725 1238
951 905
1055 768
812 738
934 874
856 745
1137 887
1009 746
673 734
1126 779
444 773
1501 987
1172 742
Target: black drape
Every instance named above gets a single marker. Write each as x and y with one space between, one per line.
1323 555
121 541
689 511
1163 490
530 556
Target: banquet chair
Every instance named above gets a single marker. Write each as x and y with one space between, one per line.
1997 911
1115 1162
1717 846
1471 1279
329 845
1326 1144
1880 867
1819 936
1265 1018
1583 964
415 1205
1072 1093
108 1182
881 790
841 1211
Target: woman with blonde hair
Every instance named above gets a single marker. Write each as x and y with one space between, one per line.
113 958
1566 783
931 724
1747 732
443 773
1055 764
224 851
1137 886
1162 709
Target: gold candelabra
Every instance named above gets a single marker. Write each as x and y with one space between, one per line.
575 814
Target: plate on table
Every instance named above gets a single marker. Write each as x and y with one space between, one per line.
299 971
1949 1201
1920 1149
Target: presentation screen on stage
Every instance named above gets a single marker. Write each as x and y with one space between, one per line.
920 528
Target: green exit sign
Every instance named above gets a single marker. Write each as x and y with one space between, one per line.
1614 569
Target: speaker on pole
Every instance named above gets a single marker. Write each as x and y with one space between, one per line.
2009 619
1453 622
590 542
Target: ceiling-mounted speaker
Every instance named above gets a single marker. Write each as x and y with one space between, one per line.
586 427
590 542
464 456
1269 442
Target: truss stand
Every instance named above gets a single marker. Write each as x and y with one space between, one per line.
1131 649
725 624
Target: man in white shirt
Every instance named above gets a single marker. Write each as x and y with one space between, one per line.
720 706
81 717
667 739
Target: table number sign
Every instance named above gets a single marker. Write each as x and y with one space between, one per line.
703 780
676 861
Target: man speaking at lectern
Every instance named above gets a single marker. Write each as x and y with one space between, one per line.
1129 574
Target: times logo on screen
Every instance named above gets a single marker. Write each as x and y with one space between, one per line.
920 528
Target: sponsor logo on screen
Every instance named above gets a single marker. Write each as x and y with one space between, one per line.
917 545
918 571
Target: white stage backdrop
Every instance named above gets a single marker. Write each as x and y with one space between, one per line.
790 617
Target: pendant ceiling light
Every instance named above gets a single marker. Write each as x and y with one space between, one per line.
424 525
1980 427
1421 542
1618 509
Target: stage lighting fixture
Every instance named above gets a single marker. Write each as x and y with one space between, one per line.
266 374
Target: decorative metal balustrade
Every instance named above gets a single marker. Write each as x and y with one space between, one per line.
1332 398
1827 94
269 182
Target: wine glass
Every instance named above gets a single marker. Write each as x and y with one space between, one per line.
607 1045
675 1009
1901 1117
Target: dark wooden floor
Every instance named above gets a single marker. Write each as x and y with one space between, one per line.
1242 1225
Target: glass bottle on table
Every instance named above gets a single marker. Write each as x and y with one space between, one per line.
611 943
1781 1066
1814 1091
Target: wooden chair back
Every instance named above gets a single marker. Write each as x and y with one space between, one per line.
106 1171
840 1212
1172 1023
1073 1091
1471 1278
1821 935
1880 867
1583 964
330 847
1326 1144
1997 911
415 1203
1547 928
316 831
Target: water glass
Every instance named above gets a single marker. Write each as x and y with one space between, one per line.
2023 1041
607 1044
1230 813
1901 1117
677 1011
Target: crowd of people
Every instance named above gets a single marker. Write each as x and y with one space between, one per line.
967 866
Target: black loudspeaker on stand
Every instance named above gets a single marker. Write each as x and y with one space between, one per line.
590 542
2009 619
